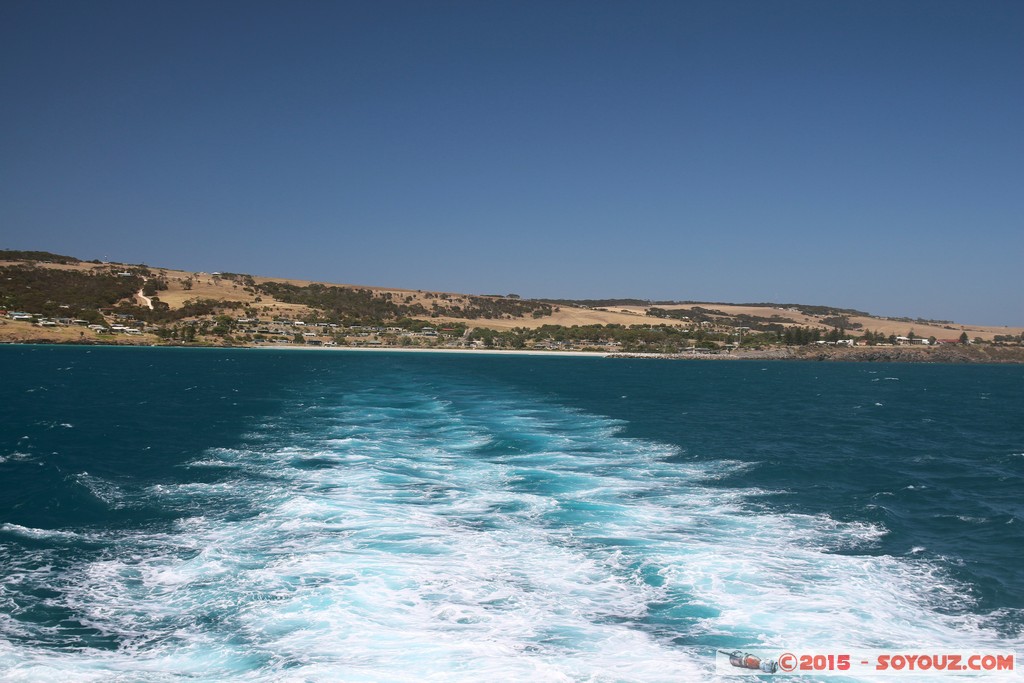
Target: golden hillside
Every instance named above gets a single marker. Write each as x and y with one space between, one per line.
249 305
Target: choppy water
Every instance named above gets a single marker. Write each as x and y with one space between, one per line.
268 516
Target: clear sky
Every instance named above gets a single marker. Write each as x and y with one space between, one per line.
865 154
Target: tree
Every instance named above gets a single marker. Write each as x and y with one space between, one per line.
964 339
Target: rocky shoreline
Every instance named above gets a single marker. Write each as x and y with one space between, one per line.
866 354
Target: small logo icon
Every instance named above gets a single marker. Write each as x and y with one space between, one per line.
787 661
745 660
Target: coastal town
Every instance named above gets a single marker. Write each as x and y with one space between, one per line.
47 298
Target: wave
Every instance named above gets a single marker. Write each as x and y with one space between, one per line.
41 534
480 533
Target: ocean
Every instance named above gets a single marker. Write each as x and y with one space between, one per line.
260 515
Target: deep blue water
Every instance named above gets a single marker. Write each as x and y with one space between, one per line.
263 515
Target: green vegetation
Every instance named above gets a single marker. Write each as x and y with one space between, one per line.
922 321
71 293
239 278
801 336
695 314
338 315
341 303
45 256
611 303
840 321
632 339
484 307
645 338
999 338
350 305
192 308
603 303
154 285
698 314
811 310
874 338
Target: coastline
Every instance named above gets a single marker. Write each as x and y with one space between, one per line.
472 352
977 355
949 354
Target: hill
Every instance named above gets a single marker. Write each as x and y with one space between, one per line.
53 298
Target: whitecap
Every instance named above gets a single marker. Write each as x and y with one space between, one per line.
972 520
41 534
104 490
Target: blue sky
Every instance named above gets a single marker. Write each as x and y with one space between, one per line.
859 154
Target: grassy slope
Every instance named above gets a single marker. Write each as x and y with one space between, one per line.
206 286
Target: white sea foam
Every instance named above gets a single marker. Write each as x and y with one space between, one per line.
16 456
41 534
479 539
106 491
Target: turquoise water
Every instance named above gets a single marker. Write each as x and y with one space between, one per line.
261 515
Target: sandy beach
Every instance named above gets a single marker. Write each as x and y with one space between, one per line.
472 352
